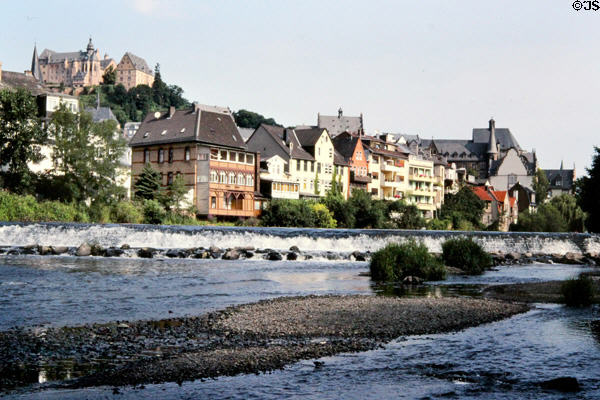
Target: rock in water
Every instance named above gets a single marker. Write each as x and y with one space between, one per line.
56 250
274 256
295 249
562 384
84 250
232 254
291 256
146 252
358 256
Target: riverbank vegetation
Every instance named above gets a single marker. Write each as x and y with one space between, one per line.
578 292
397 262
466 254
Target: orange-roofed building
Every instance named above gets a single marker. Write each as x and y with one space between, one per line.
499 206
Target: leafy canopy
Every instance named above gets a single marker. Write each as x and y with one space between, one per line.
588 193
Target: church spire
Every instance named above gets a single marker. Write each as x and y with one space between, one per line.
492 145
35 65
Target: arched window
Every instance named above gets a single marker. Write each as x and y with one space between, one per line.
249 180
161 156
240 179
214 177
231 178
223 177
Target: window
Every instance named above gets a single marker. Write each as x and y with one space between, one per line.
330 153
213 202
214 176
223 155
161 156
187 154
214 154
231 178
170 155
240 179
203 157
242 157
232 156
249 158
170 178
512 179
319 167
222 177
312 166
146 156
228 201
249 180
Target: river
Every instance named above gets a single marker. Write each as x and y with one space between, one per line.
503 359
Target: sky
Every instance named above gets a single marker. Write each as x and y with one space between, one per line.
427 67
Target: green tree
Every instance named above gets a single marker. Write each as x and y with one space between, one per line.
110 76
323 217
317 189
336 184
588 193
248 119
369 213
176 192
540 186
292 213
87 155
573 215
547 218
405 216
21 137
343 211
148 185
464 205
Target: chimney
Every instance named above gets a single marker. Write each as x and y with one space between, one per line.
171 111
195 107
0 71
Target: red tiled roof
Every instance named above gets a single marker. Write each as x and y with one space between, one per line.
500 195
512 201
482 193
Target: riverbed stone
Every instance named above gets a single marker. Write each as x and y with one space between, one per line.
97 250
146 252
177 253
215 252
113 252
291 256
562 384
295 249
44 250
83 250
274 256
514 256
125 246
58 250
572 258
359 256
231 254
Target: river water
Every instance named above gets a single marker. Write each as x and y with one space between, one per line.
504 359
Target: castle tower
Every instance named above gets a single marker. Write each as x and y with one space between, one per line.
492 145
35 65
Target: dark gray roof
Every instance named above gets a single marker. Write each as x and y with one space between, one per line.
50 56
503 136
204 124
309 137
336 124
100 114
245 132
287 138
105 62
453 149
345 144
560 178
15 80
139 63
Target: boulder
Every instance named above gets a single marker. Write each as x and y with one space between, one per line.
97 250
231 254
358 256
146 252
83 250
29 249
113 252
513 256
291 256
215 252
274 256
44 250
57 250
332 256
125 246
562 384
572 258
295 249
177 253
248 254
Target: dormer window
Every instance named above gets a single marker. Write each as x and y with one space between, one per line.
163 132
182 130
146 134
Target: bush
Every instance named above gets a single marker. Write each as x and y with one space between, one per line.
59 212
15 208
323 217
465 254
438 224
292 213
578 292
247 222
126 212
154 213
395 262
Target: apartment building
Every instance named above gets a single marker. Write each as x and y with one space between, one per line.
203 145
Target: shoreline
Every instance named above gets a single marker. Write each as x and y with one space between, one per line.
250 338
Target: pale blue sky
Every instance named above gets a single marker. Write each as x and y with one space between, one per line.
436 68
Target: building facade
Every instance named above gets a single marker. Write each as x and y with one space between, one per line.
133 70
203 145
77 69
561 181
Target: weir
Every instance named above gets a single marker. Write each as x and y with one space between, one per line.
336 240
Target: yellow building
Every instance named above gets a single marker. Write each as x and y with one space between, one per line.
421 180
133 70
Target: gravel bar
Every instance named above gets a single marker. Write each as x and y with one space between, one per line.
251 338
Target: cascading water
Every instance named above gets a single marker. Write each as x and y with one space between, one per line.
337 240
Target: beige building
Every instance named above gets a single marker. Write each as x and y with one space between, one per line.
133 70
76 69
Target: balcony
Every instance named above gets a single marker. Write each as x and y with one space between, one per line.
392 184
390 168
421 177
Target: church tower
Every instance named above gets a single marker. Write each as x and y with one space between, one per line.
35 65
